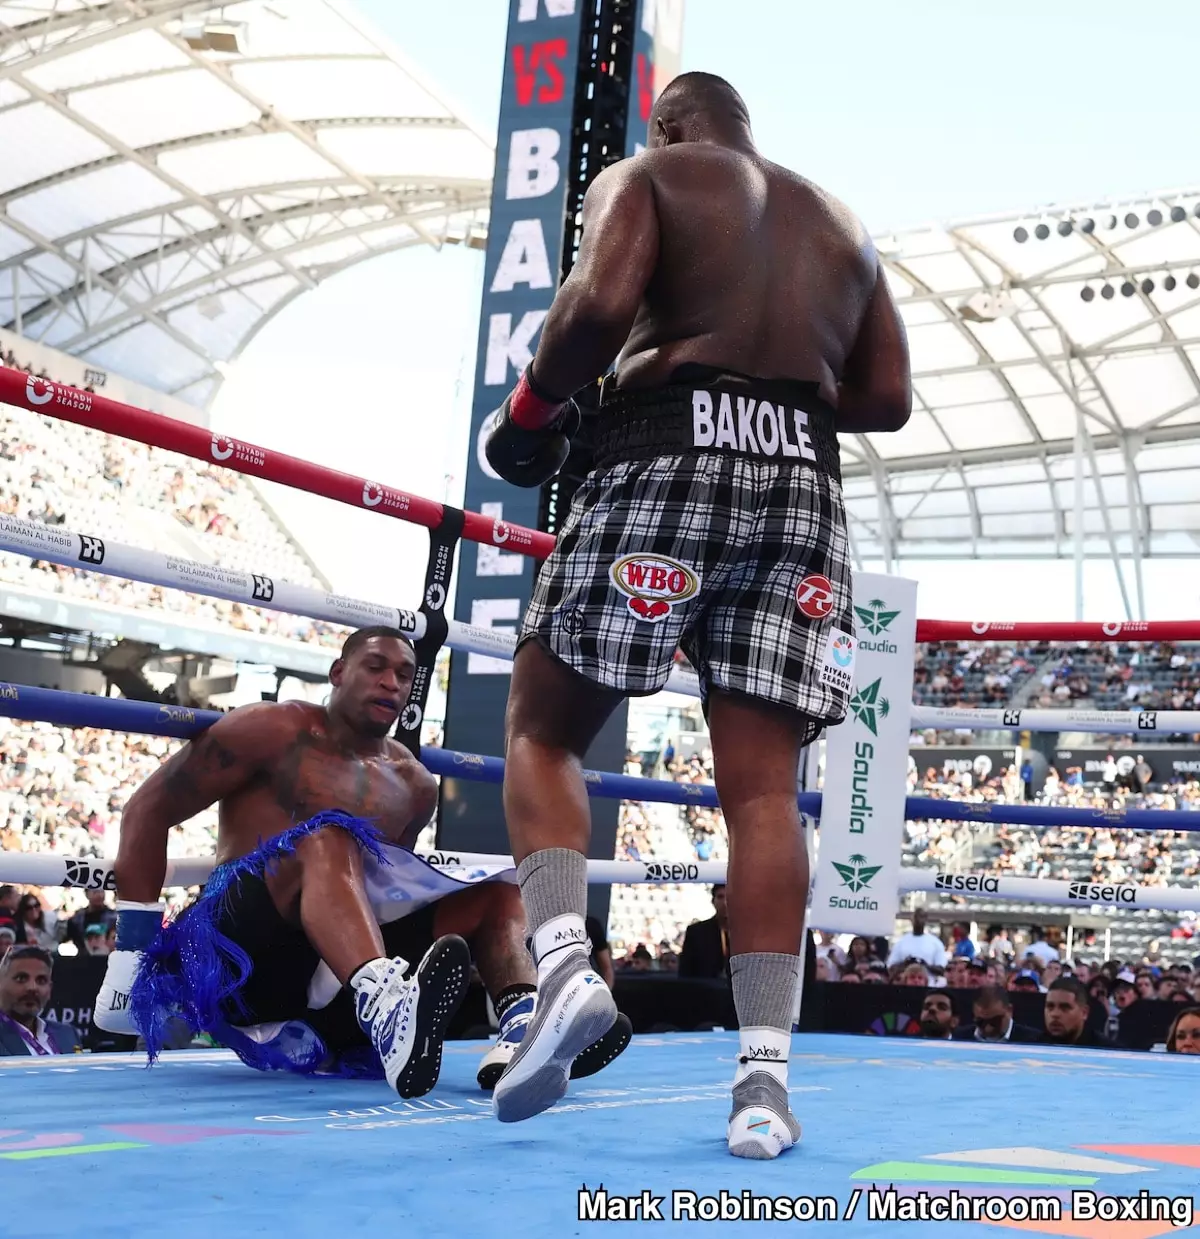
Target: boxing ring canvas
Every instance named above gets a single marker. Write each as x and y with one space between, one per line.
200 1145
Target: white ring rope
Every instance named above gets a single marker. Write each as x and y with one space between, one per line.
86 551
43 869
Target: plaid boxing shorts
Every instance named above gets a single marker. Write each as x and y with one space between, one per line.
713 521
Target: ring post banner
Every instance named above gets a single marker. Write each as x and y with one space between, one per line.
866 764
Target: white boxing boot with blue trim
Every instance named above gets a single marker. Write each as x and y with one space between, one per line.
406 1017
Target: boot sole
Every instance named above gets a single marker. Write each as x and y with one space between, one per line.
535 1089
444 976
595 1058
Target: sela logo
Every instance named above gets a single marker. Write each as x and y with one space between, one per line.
874 618
176 714
263 588
967 882
34 392
410 717
662 871
857 875
1012 718
869 707
89 877
435 597
1093 892
468 759
442 858
814 596
653 584
91 550
9 692
1147 720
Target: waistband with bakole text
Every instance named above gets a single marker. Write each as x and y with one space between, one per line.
782 422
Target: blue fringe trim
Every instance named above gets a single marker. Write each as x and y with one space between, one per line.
191 971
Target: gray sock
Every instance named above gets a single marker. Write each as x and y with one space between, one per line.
554 883
764 988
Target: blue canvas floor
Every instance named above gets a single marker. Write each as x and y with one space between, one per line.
201 1146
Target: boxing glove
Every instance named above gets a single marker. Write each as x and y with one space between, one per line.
137 926
531 438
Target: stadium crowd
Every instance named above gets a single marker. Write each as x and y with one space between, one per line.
48 474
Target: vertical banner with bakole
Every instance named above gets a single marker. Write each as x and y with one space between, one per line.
657 50
866 767
521 271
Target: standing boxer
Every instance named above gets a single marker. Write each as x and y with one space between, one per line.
753 322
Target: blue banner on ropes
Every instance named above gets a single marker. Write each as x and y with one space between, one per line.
521 274
47 705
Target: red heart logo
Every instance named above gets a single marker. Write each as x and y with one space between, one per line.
649 610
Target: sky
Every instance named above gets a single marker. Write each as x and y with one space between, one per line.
934 111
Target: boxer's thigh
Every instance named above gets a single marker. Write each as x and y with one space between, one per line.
641 551
777 633
282 960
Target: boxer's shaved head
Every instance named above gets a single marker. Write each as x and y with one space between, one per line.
693 105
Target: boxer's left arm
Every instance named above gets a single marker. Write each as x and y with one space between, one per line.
592 315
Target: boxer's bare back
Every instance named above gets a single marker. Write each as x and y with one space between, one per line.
701 250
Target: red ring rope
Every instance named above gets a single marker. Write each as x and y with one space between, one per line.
70 404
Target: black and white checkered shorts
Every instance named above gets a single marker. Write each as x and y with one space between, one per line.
732 547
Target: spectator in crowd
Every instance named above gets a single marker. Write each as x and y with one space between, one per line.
1066 1015
963 946
25 974
9 898
914 973
8 938
706 943
1124 989
998 944
93 913
918 944
1026 982
1039 947
937 1018
860 952
1184 1034
32 929
993 1020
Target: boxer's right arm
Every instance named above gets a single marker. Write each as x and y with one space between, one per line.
875 393
216 764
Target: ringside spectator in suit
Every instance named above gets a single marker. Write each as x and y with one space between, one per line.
706 943
24 992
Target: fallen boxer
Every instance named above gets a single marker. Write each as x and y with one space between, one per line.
754 322
304 792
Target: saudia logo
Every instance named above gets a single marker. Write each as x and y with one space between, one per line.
857 876
875 620
860 782
869 707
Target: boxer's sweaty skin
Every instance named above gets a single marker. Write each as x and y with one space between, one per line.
271 765
701 250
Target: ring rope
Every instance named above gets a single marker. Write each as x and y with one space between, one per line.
90 552
58 400
43 869
47 705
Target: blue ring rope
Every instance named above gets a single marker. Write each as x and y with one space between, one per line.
45 705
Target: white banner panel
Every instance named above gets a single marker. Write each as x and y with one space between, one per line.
866 765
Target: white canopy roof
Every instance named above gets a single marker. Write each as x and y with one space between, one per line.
174 173
1011 356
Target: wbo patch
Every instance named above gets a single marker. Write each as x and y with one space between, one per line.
653 584
837 671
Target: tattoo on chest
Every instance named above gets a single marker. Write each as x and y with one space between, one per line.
311 779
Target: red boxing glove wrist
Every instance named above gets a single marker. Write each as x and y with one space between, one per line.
529 410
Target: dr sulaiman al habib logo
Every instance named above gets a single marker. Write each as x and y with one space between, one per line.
869 707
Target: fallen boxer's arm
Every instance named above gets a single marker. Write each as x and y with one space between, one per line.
875 393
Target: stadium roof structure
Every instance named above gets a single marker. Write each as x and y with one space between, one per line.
1055 372
176 172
